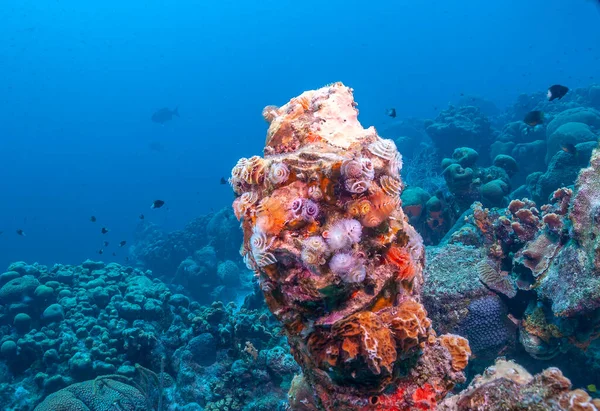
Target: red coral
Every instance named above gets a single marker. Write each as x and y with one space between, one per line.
424 398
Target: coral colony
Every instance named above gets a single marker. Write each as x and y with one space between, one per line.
335 242
337 261
342 269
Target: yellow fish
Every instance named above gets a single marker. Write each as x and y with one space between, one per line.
591 388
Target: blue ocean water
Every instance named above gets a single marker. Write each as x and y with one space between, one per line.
80 80
104 290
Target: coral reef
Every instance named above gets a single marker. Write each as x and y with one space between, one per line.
461 126
572 280
201 260
468 183
163 252
432 216
538 273
344 279
407 134
508 386
561 172
69 331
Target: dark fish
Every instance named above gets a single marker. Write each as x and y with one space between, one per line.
164 114
157 204
122 243
223 181
21 232
106 244
104 230
533 118
142 216
114 254
100 251
557 92
126 258
156 146
569 148
93 219
391 112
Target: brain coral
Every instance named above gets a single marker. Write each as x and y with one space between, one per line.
99 395
572 132
583 115
18 288
487 327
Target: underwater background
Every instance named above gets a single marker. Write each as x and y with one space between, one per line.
80 83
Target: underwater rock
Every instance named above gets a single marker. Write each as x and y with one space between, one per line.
459 303
461 126
517 132
406 133
508 386
585 115
338 264
568 133
572 281
530 158
499 147
507 163
562 172
468 183
465 156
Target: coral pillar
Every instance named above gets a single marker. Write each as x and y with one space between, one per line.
338 263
